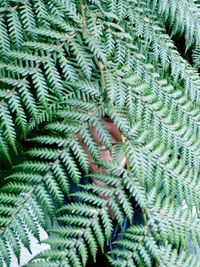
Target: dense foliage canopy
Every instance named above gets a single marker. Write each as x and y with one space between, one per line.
66 64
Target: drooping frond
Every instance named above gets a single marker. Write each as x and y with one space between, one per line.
66 66
184 17
139 248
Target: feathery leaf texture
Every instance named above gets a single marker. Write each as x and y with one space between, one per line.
65 65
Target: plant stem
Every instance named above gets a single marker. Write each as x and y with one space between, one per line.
83 12
103 81
125 153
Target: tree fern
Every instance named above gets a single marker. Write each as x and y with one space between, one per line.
66 67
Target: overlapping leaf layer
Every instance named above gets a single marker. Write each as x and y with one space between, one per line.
65 64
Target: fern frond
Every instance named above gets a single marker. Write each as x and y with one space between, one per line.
138 247
84 234
15 28
27 16
5 42
83 58
188 18
164 48
66 65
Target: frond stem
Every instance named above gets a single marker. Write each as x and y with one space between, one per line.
103 80
125 153
83 12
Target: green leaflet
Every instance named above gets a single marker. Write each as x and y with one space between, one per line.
64 65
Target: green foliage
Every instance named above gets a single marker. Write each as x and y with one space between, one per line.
138 248
64 65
